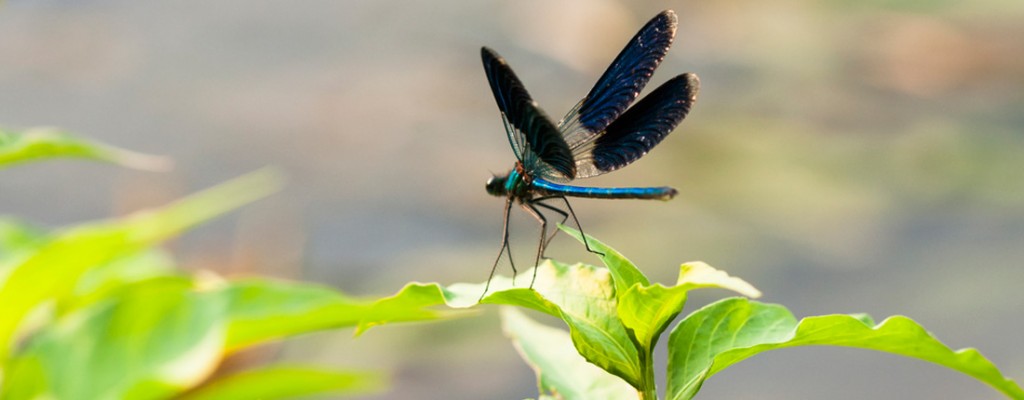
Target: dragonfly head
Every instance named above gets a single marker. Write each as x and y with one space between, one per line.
496 185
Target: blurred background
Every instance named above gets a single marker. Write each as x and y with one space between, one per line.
842 157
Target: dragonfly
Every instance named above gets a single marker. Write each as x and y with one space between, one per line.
600 134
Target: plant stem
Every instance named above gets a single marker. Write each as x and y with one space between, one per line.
648 387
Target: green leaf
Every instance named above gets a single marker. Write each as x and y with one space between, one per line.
585 300
696 274
624 272
263 310
581 295
16 235
40 143
561 372
408 305
150 342
281 382
729 331
647 310
502 291
105 279
17 239
53 269
171 333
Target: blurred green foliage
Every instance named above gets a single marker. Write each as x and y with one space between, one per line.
98 311
41 143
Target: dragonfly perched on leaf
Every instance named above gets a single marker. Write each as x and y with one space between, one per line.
597 136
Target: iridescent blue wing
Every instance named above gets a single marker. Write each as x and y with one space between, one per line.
639 129
621 82
534 138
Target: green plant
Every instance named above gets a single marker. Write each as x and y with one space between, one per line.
98 311
615 317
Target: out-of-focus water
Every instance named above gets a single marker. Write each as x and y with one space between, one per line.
860 157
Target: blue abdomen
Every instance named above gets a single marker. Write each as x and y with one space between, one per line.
655 193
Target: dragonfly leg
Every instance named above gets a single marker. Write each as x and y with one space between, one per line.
504 247
577 221
565 217
528 206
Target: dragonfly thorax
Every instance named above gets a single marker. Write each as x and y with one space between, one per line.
514 184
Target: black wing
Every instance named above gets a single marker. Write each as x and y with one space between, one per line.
534 138
640 128
622 81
